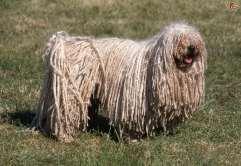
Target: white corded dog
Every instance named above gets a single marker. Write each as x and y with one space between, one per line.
141 86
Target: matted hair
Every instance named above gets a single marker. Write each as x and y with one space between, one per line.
142 86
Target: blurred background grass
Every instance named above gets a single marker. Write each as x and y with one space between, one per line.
211 137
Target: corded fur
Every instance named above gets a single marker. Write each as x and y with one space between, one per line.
138 83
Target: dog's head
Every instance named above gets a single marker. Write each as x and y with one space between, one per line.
188 48
184 43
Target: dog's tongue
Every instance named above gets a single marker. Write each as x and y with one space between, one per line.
188 60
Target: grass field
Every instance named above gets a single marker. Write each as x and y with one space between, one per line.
211 137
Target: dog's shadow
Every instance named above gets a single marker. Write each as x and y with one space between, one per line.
20 118
98 124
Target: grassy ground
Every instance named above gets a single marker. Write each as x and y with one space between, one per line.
211 137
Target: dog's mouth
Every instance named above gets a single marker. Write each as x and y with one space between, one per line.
187 59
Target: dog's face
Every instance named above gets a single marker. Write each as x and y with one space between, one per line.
187 50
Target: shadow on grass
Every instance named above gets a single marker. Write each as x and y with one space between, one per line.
18 118
98 124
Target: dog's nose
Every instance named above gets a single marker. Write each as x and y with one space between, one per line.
190 50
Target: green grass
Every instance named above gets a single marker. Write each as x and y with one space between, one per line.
211 137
